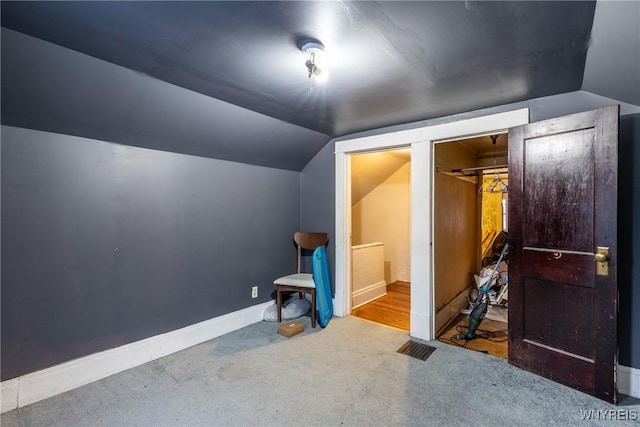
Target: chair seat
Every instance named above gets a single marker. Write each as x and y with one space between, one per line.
303 280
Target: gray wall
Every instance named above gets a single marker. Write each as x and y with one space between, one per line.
104 244
317 201
318 193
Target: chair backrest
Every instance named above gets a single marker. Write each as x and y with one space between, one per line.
308 241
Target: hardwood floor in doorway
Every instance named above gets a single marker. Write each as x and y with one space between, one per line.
492 336
393 309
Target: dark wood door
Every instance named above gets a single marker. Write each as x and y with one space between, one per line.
562 207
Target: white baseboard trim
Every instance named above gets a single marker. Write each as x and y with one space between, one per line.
420 325
31 388
629 381
368 294
451 310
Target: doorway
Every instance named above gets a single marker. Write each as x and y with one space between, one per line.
380 229
421 140
470 183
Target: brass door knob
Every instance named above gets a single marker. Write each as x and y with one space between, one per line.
600 257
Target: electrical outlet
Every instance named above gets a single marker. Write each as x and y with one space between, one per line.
254 292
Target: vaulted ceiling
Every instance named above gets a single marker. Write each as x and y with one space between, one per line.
227 79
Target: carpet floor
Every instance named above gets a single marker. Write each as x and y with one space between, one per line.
347 374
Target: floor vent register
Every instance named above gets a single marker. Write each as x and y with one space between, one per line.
417 350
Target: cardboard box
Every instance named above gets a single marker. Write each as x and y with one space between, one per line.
289 329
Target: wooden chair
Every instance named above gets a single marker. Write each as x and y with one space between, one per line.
301 282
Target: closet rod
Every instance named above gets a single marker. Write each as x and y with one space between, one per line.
479 168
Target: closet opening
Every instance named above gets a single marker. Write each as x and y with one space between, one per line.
470 226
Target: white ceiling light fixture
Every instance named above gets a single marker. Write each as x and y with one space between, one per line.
313 52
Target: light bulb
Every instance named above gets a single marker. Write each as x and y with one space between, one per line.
314 53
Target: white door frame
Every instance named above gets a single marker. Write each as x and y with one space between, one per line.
421 141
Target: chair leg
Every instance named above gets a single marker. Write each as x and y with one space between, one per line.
279 302
313 308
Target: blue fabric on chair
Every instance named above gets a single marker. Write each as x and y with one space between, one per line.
323 286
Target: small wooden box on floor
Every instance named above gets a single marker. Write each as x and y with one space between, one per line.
289 329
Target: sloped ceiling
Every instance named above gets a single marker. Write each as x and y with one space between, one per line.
613 61
227 80
371 169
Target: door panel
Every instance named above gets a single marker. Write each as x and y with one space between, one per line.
558 177
571 334
569 268
562 207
